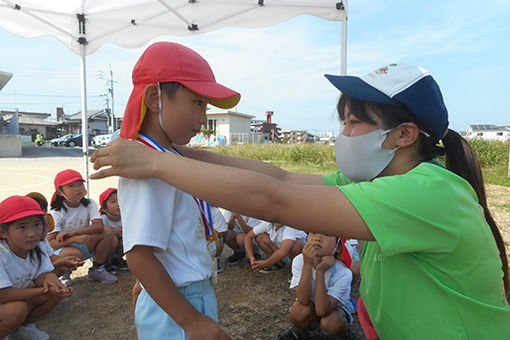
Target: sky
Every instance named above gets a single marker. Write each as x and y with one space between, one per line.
464 44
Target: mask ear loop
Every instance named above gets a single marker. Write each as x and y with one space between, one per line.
70 200
336 247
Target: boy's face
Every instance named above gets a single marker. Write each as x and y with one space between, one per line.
183 115
112 205
324 244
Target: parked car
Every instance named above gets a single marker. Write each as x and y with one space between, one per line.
58 141
75 140
101 140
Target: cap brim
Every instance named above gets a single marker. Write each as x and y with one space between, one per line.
25 213
357 88
133 116
219 95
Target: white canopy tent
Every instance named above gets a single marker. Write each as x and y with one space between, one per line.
85 25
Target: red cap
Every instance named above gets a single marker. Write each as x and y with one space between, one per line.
165 62
104 196
16 207
65 177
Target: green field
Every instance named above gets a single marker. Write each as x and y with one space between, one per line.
319 159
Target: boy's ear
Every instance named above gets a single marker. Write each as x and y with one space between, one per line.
151 97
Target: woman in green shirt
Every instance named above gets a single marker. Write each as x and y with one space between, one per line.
434 264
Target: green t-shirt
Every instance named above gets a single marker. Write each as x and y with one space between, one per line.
434 271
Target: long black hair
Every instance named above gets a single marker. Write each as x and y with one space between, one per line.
460 157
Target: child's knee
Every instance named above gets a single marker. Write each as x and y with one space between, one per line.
301 313
335 323
12 314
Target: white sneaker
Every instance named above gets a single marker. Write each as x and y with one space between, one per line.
28 332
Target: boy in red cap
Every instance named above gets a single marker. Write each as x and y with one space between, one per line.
79 229
166 232
110 213
28 287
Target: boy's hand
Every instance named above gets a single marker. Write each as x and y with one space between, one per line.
206 329
309 253
257 265
326 263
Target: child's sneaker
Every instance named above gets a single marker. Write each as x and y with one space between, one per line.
119 264
66 279
236 257
293 334
28 332
110 268
219 269
100 274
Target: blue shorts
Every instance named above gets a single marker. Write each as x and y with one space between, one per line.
81 247
153 323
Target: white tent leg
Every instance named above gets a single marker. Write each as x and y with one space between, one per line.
343 62
84 120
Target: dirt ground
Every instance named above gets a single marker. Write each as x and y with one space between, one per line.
251 305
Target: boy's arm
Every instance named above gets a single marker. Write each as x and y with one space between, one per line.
324 303
162 289
248 245
304 288
278 255
244 226
95 227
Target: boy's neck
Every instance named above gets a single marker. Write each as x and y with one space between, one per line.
154 131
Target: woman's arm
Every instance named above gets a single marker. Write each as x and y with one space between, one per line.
250 164
312 208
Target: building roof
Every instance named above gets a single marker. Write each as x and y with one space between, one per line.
230 113
24 118
91 114
486 127
4 78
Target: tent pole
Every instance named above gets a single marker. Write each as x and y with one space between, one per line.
84 118
343 62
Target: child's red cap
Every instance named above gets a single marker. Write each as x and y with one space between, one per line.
16 207
104 196
165 62
65 177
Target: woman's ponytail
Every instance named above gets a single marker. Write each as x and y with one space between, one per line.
461 159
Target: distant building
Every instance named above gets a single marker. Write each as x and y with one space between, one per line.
32 123
98 122
297 136
270 130
488 132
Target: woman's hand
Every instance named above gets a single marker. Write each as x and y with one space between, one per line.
126 158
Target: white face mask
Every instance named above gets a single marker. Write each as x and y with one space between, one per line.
362 158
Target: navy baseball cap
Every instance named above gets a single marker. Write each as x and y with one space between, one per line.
400 84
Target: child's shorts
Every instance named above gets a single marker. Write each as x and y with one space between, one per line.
81 247
153 323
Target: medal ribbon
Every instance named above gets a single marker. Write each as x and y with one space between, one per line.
203 206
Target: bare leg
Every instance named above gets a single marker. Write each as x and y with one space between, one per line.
303 317
71 251
230 240
12 315
335 324
296 249
103 246
40 306
265 244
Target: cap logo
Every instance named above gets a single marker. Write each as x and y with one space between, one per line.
384 70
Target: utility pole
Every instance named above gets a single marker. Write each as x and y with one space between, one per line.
110 91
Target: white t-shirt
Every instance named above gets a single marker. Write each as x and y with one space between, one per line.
337 279
46 248
74 218
218 221
250 221
110 223
16 272
277 236
161 216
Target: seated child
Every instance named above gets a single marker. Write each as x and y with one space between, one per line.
79 228
323 286
28 287
277 241
237 226
60 263
220 227
110 213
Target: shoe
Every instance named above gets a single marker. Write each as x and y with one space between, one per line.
66 279
273 268
236 257
219 269
293 334
119 264
100 274
110 268
28 332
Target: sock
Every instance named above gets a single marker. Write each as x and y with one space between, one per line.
97 264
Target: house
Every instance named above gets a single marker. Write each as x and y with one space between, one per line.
32 123
270 130
98 122
227 127
488 132
10 139
297 136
